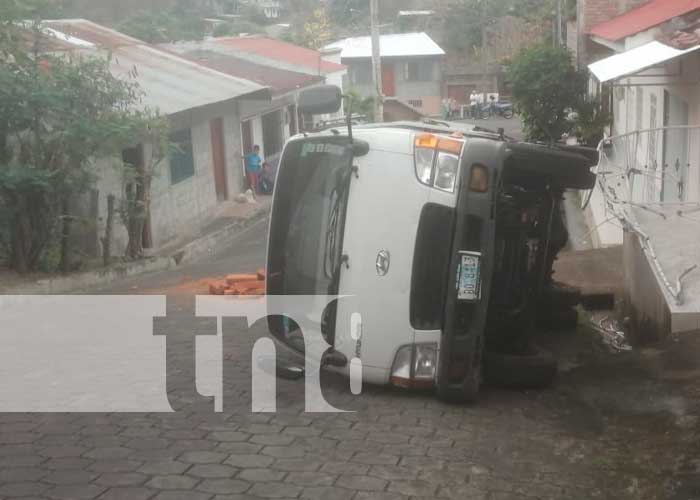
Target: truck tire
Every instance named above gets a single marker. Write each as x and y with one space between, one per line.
526 371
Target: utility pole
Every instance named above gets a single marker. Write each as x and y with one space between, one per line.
559 41
376 62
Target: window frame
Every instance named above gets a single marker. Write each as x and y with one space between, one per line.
181 159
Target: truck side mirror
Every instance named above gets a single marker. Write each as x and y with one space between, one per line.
321 100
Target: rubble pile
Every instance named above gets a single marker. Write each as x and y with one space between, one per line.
239 284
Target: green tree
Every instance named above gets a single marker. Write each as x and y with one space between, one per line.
57 115
182 22
547 88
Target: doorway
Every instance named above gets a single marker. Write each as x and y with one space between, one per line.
219 158
388 82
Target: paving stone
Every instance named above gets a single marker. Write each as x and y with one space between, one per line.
239 448
70 476
212 471
121 479
261 429
75 492
62 451
202 457
284 451
127 494
18 437
223 486
382 495
261 475
272 439
172 482
193 445
242 461
155 455
21 460
302 431
228 436
375 459
414 488
343 467
297 464
104 466
182 495
275 490
163 467
327 493
311 478
148 443
21 474
22 489
109 453
184 434
366 483
142 432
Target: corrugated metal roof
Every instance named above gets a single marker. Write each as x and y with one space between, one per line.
170 83
635 60
398 45
643 18
279 80
306 60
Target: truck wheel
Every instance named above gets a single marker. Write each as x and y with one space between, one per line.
526 371
508 114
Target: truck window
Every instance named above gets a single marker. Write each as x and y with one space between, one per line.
431 261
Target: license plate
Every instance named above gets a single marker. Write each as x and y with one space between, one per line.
469 276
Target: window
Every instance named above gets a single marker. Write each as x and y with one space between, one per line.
181 157
273 140
416 103
431 262
361 73
420 70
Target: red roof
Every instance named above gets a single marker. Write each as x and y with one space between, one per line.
278 50
643 18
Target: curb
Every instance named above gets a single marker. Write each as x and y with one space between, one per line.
208 243
91 279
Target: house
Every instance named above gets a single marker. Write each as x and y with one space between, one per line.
649 174
412 68
203 107
272 53
266 124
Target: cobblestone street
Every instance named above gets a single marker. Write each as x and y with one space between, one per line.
610 428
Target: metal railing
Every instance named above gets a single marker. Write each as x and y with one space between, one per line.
651 170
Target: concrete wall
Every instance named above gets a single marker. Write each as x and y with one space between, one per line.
644 302
429 91
179 210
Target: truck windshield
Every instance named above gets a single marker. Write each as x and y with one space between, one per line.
305 247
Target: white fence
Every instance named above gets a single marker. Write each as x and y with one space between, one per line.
654 171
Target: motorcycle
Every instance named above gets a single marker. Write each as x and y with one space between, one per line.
500 108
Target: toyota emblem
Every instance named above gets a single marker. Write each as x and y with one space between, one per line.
383 261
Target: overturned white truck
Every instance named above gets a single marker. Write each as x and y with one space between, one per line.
441 237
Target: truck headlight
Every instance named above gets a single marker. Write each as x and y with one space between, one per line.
415 366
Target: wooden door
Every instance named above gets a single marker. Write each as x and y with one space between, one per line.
388 82
219 158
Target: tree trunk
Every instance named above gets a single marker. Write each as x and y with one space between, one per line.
66 221
107 240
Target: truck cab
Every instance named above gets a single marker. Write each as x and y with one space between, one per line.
437 239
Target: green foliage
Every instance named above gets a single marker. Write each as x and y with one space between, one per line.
57 114
252 13
236 28
164 26
315 32
359 105
590 122
546 88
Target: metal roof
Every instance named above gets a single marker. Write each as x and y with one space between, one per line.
635 60
283 54
643 18
279 80
398 45
170 83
